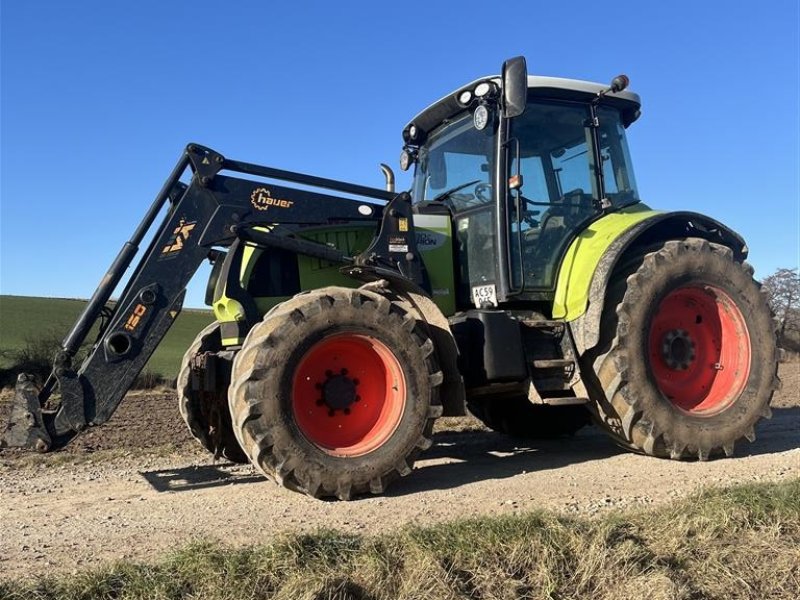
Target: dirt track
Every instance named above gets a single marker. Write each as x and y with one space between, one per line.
105 498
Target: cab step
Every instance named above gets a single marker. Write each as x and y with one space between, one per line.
565 401
553 363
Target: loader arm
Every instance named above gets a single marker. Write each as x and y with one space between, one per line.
213 210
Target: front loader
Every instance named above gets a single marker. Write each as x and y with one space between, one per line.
521 278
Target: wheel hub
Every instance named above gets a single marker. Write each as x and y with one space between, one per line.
678 349
338 392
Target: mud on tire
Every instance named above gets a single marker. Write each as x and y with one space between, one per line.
687 362
335 393
207 417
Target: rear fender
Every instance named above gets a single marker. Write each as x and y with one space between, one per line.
586 299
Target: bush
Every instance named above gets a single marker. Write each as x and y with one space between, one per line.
147 380
34 358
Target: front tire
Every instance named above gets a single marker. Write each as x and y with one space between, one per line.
206 412
335 393
690 359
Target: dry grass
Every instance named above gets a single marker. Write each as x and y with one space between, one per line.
743 542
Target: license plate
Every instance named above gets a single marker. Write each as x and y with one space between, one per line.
483 295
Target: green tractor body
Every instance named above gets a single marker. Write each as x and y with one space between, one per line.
529 223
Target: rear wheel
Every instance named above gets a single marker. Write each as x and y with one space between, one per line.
206 412
689 364
335 393
518 417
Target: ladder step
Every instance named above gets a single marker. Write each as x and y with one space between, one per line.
553 363
541 324
550 384
565 401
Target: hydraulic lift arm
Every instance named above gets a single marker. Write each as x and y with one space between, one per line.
212 210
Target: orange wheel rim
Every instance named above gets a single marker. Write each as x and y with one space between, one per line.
699 349
348 394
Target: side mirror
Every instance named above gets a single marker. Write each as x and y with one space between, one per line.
515 86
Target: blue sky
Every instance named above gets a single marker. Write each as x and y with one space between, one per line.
98 98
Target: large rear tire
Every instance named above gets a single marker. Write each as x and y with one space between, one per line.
518 417
687 363
335 393
206 413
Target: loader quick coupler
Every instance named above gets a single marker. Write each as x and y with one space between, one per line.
26 427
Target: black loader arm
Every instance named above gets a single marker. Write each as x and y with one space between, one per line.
212 210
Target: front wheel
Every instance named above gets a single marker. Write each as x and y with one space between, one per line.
205 412
335 393
688 356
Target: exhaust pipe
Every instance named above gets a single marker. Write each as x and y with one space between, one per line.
389 175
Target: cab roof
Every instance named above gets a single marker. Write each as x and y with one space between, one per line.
538 87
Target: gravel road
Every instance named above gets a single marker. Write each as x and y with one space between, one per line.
107 498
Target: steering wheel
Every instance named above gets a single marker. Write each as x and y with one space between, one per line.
529 211
483 192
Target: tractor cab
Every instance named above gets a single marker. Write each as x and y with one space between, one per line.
521 176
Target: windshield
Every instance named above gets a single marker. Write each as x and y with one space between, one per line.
456 157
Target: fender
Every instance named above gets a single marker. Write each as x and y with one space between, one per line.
589 262
453 394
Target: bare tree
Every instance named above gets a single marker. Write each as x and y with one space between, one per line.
783 289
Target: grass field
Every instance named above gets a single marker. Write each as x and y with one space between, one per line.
24 319
741 542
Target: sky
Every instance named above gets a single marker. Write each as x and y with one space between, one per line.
98 99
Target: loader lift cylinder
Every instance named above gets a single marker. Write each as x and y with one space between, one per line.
123 260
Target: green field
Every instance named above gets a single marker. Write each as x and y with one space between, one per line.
25 319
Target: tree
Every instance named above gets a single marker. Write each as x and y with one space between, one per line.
783 293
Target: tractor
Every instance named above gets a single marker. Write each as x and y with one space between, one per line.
520 278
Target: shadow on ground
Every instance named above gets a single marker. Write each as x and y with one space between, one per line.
197 478
460 458
463 457
778 434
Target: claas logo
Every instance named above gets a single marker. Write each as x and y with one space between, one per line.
179 237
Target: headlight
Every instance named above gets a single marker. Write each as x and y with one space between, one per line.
480 118
405 160
482 89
